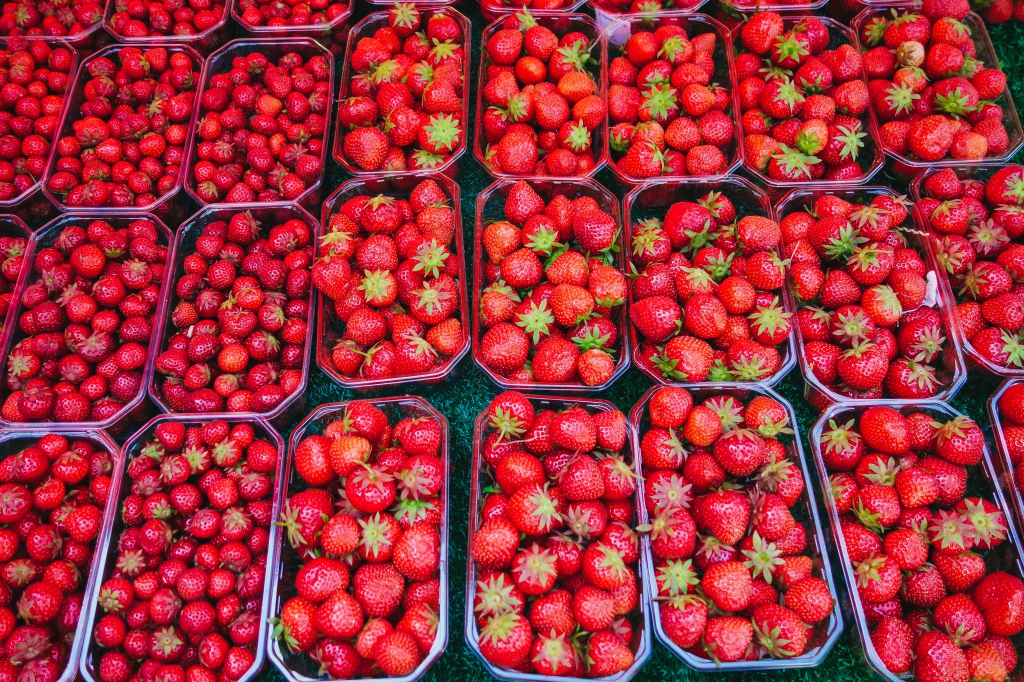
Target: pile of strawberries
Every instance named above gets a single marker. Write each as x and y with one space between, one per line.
288 14
367 530
241 318
388 269
1011 408
406 93
917 544
867 329
126 144
554 554
978 226
933 98
667 116
556 320
707 299
61 18
12 259
542 110
263 126
87 318
748 589
804 105
630 6
186 588
157 18
53 495
31 99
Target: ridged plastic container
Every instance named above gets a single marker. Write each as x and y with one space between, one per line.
827 632
273 48
950 367
13 226
33 195
985 53
106 554
331 35
479 482
982 479
163 207
329 329
974 359
12 442
499 9
203 42
617 34
1003 464
184 244
605 13
652 200
365 29
92 38
490 206
281 579
560 22
137 410
870 157
793 6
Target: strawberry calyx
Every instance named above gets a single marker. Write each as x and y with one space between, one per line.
678 579
495 596
762 558
537 321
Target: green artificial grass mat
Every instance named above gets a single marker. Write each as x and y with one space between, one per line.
462 399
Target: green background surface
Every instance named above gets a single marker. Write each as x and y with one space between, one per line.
462 399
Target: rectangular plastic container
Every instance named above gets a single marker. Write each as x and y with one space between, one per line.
281 579
1003 463
12 442
365 29
652 200
982 479
15 227
33 195
135 411
953 370
204 42
560 22
827 632
871 157
164 208
274 49
184 244
617 34
329 329
607 12
479 482
106 554
331 35
984 52
974 359
490 206
492 10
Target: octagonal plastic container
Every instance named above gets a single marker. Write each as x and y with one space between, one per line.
204 41
332 35
13 226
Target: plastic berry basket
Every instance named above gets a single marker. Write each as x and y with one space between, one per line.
618 33
606 12
640 619
827 632
871 156
13 226
12 442
163 207
106 554
982 479
952 371
984 52
560 22
653 198
205 41
333 32
490 206
135 411
974 359
365 29
274 48
750 7
184 244
281 581
1004 465
31 196
329 329
499 9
